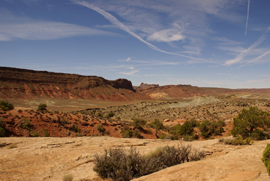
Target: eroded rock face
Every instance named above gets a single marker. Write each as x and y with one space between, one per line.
23 83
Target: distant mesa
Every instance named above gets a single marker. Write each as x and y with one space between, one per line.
143 85
28 84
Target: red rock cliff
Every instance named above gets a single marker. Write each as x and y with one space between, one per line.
23 83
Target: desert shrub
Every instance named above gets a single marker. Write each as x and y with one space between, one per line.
136 134
208 128
42 107
216 128
188 138
248 121
111 114
6 106
2 123
13 145
196 155
204 128
258 135
162 136
64 121
26 124
119 164
170 155
175 129
266 158
46 133
35 134
100 114
236 141
186 128
194 123
75 128
138 123
266 132
156 125
127 133
100 128
2 132
68 177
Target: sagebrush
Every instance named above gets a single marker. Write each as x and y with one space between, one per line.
121 165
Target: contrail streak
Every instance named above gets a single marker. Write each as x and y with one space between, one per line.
116 22
244 53
205 29
247 17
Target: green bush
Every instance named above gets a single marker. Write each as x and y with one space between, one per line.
208 128
205 129
136 134
186 129
111 114
46 133
2 128
6 106
258 135
138 123
175 130
26 124
163 136
64 121
68 177
127 133
119 164
2 132
75 128
216 128
248 121
100 114
100 128
42 107
236 141
194 123
266 158
156 125
35 134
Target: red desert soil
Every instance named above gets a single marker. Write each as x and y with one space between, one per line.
50 159
27 122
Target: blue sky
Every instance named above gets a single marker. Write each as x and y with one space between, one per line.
206 43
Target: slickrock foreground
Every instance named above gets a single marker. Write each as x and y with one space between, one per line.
52 158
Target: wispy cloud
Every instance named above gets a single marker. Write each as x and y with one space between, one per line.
247 17
246 52
257 59
129 73
225 41
150 62
193 50
116 22
167 35
44 30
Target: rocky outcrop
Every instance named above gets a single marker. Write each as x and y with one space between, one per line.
23 83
